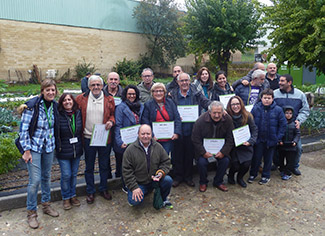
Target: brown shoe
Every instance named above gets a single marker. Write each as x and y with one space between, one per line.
67 204
203 187
105 194
222 187
75 202
90 198
47 209
32 219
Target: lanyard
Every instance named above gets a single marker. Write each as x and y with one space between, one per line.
49 117
73 124
249 94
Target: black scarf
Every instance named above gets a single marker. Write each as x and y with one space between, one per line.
134 106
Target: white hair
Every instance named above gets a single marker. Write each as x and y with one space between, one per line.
257 73
95 77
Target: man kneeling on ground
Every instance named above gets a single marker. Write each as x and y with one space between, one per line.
144 162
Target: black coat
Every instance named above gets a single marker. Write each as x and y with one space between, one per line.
244 153
292 134
67 150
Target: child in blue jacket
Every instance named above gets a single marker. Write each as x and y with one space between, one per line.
271 123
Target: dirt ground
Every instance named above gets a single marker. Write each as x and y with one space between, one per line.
294 207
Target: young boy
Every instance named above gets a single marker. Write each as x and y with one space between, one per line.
288 145
271 123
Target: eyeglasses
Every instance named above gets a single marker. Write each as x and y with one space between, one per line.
94 85
147 76
184 80
131 94
235 104
158 91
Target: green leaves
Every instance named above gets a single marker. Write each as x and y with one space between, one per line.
9 154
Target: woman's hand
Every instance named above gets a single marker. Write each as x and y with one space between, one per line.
246 144
124 145
27 156
109 124
175 136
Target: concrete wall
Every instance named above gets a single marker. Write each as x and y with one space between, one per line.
23 44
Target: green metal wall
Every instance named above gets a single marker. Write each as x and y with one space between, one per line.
100 14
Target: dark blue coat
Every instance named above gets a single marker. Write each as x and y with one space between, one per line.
123 118
271 123
150 114
66 150
244 92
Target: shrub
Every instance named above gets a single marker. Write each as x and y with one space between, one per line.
128 69
84 67
315 121
7 118
9 154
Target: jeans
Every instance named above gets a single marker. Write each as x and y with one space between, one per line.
222 165
261 150
168 146
104 166
298 155
39 171
69 170
165 186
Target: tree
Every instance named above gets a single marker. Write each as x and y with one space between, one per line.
298 32
219 27
158 21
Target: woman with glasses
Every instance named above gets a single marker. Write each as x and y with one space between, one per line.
221 87
127 113
242 155
160 109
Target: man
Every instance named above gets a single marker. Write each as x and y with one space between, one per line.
185 94
144 162
96 108
217 125
173 84
271 76
84 83
287 95
146 84
114 89
250 94
247 78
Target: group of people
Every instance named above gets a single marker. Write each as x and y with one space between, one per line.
65 129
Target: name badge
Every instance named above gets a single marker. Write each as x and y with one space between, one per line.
73 140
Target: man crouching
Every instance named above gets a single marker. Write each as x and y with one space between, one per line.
144 162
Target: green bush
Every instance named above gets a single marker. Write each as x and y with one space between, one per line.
9 154
7 118
315 121
11 105
82 68
128 69
3 86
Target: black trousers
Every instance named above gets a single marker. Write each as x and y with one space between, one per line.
183 159
289 156
241 168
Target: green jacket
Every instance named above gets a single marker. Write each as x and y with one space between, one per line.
145 94
134 164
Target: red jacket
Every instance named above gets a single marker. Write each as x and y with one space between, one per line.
109 109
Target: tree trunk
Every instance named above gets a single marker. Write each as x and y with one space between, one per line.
223 60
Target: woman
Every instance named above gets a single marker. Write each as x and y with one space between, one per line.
161 109
242 155
70 148
38 138
127 113
221 87
204 82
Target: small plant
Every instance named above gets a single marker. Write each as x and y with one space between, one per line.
84 67
128 69
7 118
315 121
9 154
3 86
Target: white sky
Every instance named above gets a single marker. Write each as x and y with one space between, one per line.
181 3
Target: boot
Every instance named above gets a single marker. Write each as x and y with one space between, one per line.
66 204
75 202
47 209
231 178
32 219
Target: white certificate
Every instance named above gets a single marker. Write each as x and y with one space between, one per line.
117 100
188 113
224 99
129 134
163 130
241 135
213 145
99 136
249 108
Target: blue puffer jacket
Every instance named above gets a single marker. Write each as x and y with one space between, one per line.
244 93
271 123
67 150
123 118
150 114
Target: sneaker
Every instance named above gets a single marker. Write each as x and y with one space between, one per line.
296 171
264 180
168 205
282 174
286 177
251 179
